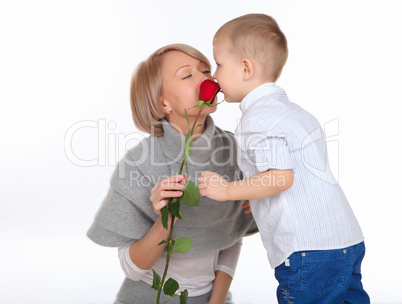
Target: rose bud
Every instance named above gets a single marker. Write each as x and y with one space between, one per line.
208 90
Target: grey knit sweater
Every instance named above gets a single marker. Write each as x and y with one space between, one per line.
127 214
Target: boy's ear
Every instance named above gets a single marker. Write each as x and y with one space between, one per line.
248 69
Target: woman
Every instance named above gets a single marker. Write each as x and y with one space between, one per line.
146 179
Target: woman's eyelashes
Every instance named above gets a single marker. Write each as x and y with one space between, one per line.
189 75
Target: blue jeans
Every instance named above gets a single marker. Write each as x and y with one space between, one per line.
324 276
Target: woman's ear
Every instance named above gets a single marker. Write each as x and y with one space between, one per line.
248 69
165 105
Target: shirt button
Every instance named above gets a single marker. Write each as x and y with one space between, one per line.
303 254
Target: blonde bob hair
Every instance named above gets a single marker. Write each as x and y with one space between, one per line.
257 36
145 88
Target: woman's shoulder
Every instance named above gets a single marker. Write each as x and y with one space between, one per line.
139 159
142 147
224 135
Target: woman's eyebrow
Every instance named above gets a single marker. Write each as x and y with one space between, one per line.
184 66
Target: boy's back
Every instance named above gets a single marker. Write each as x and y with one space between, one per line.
314 213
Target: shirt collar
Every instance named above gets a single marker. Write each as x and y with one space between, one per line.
173 141
257 93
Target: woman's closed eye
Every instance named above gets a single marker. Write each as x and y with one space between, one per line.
189 75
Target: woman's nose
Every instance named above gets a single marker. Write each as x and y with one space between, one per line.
204 77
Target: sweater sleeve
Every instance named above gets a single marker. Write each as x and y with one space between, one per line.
228 258
126 213
119 221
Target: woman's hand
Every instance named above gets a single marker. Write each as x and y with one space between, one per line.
165 190
145 252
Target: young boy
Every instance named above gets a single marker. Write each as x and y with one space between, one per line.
311 235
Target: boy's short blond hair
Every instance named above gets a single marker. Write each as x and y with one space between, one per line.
145 88
257 36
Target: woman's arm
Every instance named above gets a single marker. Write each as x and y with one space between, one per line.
226 267
263 184
145 252
221 287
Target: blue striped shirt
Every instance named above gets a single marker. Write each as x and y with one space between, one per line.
314 213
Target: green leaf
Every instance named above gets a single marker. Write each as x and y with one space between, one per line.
170 287
185 163
191 195
175 208
182 245
214 105
165 216
162 242
197 127
199 103
188 145
156 284
183 296
188 123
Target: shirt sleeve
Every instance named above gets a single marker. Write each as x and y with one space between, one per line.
228 258
268 151
129 268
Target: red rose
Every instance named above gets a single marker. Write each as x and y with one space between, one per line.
208 90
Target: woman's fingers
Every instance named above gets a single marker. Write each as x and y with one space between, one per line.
166 189
161 199
174 179
168 194
175 182
158 206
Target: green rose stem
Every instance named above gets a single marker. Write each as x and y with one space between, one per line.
167 260
169 241
192 133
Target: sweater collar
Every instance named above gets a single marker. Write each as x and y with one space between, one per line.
173 141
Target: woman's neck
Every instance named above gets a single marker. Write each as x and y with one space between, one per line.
183 128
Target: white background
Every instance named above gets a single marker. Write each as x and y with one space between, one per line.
65 64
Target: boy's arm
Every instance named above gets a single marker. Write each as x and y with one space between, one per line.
263 184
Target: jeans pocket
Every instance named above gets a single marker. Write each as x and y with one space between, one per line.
323 271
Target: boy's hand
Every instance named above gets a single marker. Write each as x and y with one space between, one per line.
246 207
213 186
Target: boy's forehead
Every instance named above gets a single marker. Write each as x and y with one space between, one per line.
222 46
